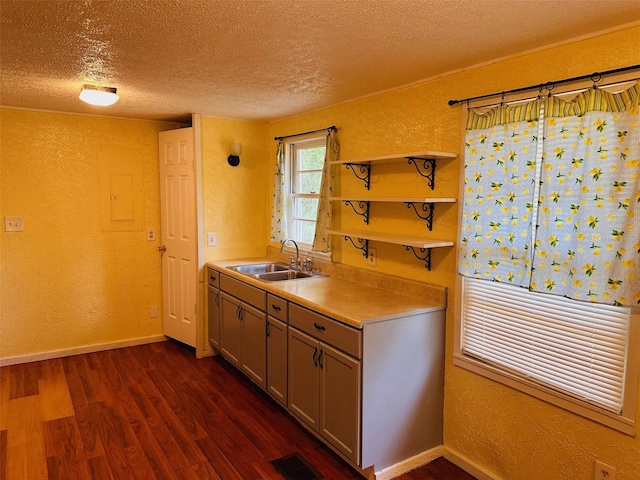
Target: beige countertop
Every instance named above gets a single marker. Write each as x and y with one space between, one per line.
350 302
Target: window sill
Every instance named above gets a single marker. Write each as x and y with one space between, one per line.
621 423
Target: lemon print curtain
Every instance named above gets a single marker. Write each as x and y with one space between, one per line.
588 242
499 187
279 211
322 239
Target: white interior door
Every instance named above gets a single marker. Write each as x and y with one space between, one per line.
179 234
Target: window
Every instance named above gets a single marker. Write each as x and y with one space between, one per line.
579 355
305 159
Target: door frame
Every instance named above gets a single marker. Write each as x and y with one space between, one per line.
202 344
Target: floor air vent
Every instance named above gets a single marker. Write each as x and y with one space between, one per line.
294 467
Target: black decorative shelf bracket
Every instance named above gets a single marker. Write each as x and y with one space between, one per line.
425 213
426 170
362 244
363 173
361 209
426 255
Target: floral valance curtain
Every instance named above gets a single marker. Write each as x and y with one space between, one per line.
499 184
322 239
279 211
586 244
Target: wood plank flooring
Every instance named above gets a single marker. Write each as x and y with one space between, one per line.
153 412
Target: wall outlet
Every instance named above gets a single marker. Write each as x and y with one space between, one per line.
212 239
372 257
13 224
151 235
604 471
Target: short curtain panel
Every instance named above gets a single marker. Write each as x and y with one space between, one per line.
321 238
588 242
499 185
279 210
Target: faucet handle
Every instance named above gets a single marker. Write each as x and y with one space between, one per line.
292 262
307 265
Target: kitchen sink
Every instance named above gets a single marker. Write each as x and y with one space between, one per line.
273 272
260 268
284 275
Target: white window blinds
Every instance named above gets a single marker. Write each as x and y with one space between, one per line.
578 348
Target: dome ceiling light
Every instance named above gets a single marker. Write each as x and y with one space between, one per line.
100 96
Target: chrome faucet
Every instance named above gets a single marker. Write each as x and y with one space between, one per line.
294 263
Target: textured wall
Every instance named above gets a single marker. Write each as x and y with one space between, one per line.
503 431
65 284
235 198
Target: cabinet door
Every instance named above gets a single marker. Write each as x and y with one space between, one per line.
230 328
214 317
304 379
340 401
277 359
253 345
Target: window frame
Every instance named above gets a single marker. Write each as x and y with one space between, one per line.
293 179
625 422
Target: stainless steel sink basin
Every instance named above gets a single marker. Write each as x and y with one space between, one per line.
273 272
284 275
259 268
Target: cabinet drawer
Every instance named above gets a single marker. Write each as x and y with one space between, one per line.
248 294
332 332
213 277
277 307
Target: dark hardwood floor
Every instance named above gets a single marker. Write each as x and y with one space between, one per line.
153 412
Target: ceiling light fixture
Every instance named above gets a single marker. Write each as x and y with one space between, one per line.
100 96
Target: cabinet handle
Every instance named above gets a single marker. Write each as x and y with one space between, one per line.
319 327
217 300
268 328
315 353
275 307
239 312
320 358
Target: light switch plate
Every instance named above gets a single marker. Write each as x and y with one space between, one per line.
13 224
212 239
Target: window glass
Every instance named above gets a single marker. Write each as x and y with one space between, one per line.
305 161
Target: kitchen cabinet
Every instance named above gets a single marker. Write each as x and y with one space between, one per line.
243 328
213 312
324 383
360 367
277 341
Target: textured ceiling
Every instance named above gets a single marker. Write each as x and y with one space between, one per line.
264 59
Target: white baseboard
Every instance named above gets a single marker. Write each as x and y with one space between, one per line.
425 457
410 463
98 347
467 465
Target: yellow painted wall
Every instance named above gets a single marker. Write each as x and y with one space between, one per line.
64 283
235 199
503 431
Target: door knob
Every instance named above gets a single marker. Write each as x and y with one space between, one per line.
163 248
